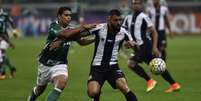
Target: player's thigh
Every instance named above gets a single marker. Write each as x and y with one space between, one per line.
114 75
59 75
43 76
95 82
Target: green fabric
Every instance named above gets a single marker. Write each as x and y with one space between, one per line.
53 95
58 55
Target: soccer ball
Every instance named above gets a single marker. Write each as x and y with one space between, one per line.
157 66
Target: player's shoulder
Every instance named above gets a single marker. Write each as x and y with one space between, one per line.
54 23
151 10
128 16
164 8
101 26
143 15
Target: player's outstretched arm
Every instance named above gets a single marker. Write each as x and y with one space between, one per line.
69 33
85 40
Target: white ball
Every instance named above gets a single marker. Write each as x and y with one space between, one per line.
157 66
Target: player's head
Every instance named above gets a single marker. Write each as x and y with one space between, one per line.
64 15
114 19
156 2
136 5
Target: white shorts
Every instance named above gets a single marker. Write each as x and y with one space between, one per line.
46 74
4 45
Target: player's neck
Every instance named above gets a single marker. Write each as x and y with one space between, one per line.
157 6
111 29
62 24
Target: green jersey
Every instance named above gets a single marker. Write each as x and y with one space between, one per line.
59 55
5 22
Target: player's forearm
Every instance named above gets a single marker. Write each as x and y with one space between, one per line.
167 22
154 37
86 41
71 32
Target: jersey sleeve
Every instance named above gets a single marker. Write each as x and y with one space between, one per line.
166 11
96 29
128 36
10 20
125 23
148 21
54 30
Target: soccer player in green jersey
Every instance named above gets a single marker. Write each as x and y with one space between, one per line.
52 65
6 22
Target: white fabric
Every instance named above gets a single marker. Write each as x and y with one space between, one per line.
138 24
46 73
4 45
102 35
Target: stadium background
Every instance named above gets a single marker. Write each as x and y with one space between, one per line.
33 17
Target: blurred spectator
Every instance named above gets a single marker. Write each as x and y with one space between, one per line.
124 8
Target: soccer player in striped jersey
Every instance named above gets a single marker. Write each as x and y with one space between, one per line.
52 66
104 67
159 16
140 25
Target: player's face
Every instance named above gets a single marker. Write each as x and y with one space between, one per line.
65 18
115 22
136 5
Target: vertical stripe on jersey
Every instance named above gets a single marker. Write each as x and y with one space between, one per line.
115 51
143 30
162 19
138 29
108 47
98 52
132 28
157 18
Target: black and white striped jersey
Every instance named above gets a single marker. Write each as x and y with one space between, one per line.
158 17
107 45
137 25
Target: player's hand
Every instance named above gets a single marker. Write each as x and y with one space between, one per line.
88 26
156 52
12 46
171 34
16 33
130 44
55 44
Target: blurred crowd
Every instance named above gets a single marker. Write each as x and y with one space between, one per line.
33 18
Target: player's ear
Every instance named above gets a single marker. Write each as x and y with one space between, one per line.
59 16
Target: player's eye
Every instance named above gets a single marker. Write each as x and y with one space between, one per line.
117 19
67 14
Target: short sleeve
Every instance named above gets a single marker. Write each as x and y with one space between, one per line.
125 23
128 36
96 29
148 21
54 30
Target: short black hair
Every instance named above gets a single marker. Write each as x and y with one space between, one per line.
62 9
114 12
